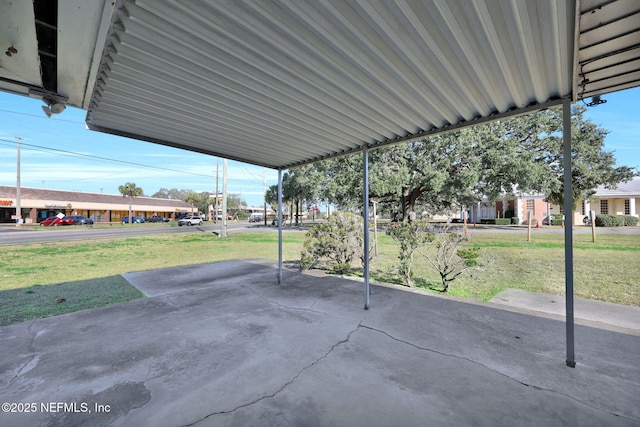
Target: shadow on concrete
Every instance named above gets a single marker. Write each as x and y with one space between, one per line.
223 345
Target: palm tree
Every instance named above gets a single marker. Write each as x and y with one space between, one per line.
193 199
130 190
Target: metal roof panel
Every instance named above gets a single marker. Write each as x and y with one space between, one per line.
286 82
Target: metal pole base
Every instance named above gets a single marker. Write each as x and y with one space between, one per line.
571 363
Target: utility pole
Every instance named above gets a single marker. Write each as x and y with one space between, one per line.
18 206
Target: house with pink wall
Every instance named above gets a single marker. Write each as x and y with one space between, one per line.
622 200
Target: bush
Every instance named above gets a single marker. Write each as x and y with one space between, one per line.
338 240
494 221
409 236
609 221
450 259
515 220
615 220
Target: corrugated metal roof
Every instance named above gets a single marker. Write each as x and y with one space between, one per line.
283 82
609 46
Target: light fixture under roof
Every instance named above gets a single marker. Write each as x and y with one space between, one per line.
53 107
596 101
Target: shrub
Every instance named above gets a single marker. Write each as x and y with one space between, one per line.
409 236
498 221
557 219
338 240
515 220
609 221
630 220
450 259
616 220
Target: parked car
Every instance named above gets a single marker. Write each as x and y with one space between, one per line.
157 218
135 220
81 220
55 221
255 218
190 220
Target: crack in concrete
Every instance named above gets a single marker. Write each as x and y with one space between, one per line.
535 387
28 362
285 385
282 306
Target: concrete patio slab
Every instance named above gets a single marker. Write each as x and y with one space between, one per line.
223 345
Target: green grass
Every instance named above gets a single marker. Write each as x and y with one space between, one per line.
607 270
86 274
37 301
57 262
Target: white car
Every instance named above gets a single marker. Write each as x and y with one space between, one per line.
190 220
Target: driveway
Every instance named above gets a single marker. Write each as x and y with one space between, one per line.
224 345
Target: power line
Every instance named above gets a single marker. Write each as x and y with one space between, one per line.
76 154
40 116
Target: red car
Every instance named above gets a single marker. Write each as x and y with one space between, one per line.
55 221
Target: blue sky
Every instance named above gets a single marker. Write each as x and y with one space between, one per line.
83 163
75 166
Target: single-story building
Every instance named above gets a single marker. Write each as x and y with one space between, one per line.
37 204
623 200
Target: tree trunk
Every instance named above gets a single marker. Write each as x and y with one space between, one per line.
298 203
291 214
408 200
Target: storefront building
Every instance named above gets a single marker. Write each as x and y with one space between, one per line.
37 204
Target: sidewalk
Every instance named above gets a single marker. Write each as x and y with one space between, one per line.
595 312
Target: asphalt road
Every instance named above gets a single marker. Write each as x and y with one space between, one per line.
11 235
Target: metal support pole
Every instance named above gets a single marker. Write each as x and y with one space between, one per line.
365 158
568 230
223 232
279 226
18 200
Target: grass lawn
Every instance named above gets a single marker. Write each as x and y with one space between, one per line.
86 274
38 301
608 270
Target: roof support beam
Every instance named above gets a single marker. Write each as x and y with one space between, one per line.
568 230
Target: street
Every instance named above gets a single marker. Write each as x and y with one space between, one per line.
11 235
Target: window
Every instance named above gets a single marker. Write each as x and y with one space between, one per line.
531 206
627 207
604 207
